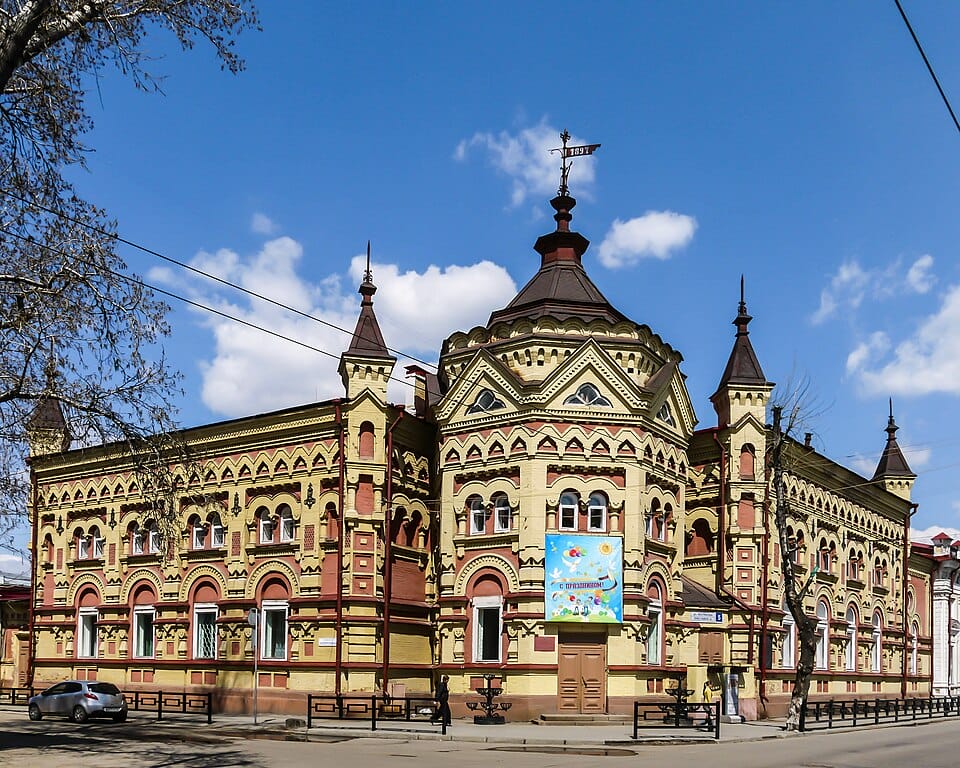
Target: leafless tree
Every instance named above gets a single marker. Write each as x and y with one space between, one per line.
75 325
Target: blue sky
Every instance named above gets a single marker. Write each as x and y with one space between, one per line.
801 144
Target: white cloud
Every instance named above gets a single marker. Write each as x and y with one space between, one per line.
926 535
262 224
919 277
655 234
852 284
252 372
917 457
525 158
14 566
926 362
876 344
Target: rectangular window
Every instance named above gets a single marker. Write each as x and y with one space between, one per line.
87 633
273 617
502 520
83 547
199 536
789 644
487 628
205 632
143 633
98 542
478 519
568 517
154 540
138 542
654 635
597 520
266 530
850 657
217 536
286 528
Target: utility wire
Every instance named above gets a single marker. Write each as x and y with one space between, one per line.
196 270
926 61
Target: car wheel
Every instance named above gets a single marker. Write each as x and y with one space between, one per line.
34 712
79 714
120 718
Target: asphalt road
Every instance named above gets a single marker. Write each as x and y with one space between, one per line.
62 744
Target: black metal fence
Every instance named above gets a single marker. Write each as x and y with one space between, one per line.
851 713
374 709
166 702
161 702
676 715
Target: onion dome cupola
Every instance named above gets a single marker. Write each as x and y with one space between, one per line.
367 363
893 472
743 388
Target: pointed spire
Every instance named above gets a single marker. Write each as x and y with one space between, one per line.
892 461
742 366
367 339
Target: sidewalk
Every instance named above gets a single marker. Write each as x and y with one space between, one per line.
280 727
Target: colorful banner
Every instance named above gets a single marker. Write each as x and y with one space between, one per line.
584 579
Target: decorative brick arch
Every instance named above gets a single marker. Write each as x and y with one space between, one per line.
80 583
138 577
198 573
265 570
495 562
659 572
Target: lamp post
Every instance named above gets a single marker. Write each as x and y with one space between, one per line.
253 619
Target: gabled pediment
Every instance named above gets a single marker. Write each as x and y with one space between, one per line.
669 403
484 378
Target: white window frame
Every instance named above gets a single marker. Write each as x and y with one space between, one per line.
217 533
97 543
593 507
204 609
876 654
572 509
154 538
88 640
266 524
287 526
822 657
83 546
138 541
789 656
199 536
914 649
851 650
478 517
502 514
138 639
655 632
483 604
274 606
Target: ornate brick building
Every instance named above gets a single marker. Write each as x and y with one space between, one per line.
546 512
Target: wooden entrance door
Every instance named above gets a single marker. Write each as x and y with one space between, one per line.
582 677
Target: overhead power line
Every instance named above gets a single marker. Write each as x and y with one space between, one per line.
926 61
196 270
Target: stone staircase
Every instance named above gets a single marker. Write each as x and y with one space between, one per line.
556 718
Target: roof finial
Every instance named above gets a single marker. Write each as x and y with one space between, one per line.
568 152
367 274
743 304
891 424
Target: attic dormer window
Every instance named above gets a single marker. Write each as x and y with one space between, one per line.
588 395
486 401
666 415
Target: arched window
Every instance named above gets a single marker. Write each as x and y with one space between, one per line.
274 615
217 537
149 539
854 565
502 514
287 523
82 544
876 655
878 573
667 518
265 525
366 446
569 507
588 395
198 533
144 614
87 631
654 520
478 515
823 646
789 659
914 649
487 620
851 650
205 598
747 462
824 561
597 512
655 627
486 401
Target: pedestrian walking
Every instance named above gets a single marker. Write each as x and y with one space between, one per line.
708 705
443 701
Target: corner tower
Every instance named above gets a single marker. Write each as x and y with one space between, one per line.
893 472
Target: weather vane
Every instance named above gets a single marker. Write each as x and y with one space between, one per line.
568 152
367 274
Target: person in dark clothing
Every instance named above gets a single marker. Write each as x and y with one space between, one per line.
443 701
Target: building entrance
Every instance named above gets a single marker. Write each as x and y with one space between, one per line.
582 675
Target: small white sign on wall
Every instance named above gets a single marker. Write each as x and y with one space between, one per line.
327 642
707 617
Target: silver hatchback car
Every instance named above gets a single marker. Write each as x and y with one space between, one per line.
79 700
